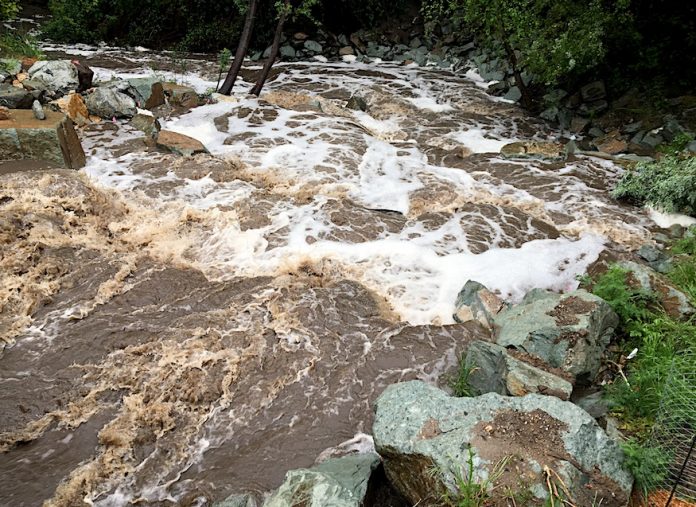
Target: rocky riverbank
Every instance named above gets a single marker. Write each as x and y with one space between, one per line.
311 249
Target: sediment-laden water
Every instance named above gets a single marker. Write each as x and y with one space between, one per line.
179 329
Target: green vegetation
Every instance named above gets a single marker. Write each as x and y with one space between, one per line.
8 9
649 465
652 386
191 25
668 184
17 45
470 491
678 144
550 39
459 382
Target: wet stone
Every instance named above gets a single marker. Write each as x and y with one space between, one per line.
52 139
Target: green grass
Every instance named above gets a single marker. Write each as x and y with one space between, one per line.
678 144
459 382
648 464
471 492
662 342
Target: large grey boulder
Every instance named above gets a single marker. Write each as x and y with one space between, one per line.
339 482
513 445
125 87
12 97
109 103
143 85
497 370
58 76
569 331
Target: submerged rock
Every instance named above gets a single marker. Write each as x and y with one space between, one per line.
356 103
534 150
569 331
517 445
58 76
339 482
109 103
242 500
497 370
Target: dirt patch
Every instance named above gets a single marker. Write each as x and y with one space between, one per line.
518 443
430 429
566 312
537 362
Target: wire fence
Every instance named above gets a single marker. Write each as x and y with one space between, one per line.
673 438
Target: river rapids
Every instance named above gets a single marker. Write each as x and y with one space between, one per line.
175 330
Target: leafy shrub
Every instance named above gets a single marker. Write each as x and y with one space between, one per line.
197 25
649 465
8 9
668 184
18 45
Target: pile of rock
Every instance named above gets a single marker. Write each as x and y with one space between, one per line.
518 439
68 87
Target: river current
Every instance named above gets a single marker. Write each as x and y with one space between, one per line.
175 330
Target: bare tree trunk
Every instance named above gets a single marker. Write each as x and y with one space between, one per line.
242 48
256 90
512 58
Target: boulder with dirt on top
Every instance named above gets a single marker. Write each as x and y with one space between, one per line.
495 369
13 97
569 331
52 139
337 482
534 447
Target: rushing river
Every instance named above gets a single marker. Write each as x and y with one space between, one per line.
180 329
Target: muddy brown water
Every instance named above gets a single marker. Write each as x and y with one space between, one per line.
177 330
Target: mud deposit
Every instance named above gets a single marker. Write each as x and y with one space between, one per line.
176 330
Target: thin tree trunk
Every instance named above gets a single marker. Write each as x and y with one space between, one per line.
256 90
242 48
512 58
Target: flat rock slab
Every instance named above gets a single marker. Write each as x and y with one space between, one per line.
53 139
179 143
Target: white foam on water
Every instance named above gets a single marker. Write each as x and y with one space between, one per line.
666 220
190 78
479 141
418 270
